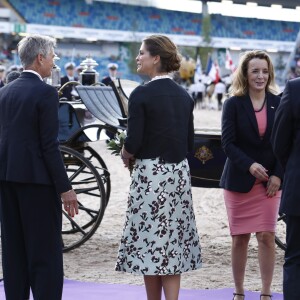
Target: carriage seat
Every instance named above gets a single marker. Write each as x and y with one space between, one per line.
72 117
102 102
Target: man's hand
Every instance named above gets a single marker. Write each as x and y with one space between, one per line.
69 199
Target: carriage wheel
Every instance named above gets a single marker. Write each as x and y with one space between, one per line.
280 232
88 185
101 167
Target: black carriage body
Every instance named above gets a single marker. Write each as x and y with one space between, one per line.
207 160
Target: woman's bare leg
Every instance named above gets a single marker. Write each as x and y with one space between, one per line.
153 284
171 286
239 253
266 259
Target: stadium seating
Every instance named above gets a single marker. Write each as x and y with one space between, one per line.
249 28
111 16
116 16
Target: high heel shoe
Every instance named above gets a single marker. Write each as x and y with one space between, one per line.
236 294
266 295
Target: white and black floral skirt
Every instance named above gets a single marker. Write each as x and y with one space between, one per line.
160 235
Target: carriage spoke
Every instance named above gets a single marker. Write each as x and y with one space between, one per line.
74 224
77 172
86 209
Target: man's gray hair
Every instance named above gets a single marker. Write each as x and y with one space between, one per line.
33 45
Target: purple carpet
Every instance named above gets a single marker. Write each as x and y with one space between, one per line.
76 290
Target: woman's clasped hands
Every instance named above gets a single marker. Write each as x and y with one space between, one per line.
273 185
259 172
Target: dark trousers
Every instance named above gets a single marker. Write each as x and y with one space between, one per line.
31 218
219 97
291 267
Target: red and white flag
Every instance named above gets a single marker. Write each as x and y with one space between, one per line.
214 72
229 65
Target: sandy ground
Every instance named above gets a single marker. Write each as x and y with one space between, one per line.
95 260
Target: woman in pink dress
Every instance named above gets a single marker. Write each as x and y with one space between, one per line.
252 176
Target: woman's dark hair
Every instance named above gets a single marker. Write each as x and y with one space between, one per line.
167 51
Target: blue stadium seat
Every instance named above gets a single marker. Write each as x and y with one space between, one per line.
115 16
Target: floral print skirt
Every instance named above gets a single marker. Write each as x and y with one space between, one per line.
160 235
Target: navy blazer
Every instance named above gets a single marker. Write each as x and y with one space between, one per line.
242 144
29 147
160 121
286 145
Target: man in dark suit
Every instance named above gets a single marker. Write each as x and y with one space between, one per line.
68 91
286 144
112 70
33 180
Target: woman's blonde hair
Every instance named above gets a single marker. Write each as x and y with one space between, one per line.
240 85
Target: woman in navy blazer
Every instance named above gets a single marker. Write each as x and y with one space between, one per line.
252 175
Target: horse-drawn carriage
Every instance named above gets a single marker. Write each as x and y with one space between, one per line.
98 111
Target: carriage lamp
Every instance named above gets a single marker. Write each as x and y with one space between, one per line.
55 74
89 76
54 78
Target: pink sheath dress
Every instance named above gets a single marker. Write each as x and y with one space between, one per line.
253 211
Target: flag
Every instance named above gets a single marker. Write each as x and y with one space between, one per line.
198 70
229 65
214 72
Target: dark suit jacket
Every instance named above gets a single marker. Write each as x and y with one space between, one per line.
160 121
29 147
68 89
286 145
242 144
106 80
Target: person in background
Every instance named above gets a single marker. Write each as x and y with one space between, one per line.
112 70
33 179
220 90
108 80
286 145
160 239
197 90
2 76
13 68
78 70
252 175
11 76
70 76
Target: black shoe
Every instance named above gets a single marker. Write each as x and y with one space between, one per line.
236 294
266 295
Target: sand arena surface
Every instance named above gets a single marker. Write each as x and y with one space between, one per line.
95 260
